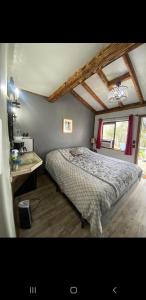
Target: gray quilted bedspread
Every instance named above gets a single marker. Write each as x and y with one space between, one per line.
93 182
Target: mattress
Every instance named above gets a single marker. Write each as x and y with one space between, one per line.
93 182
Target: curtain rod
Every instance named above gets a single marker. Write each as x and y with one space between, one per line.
120 117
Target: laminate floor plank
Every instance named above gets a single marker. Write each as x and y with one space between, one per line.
54 216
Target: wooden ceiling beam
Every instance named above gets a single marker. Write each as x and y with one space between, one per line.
103 58
121 78
118 49
103 77
96 98
133 77
79 98
125 107
109 84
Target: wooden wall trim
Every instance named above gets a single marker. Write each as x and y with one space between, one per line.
125 107
137 139
120 103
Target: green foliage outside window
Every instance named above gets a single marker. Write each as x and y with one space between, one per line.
116 132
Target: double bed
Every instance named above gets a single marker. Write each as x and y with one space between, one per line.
94 183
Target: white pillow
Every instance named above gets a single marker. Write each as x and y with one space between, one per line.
76 152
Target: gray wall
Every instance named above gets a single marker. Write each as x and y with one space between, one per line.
44 122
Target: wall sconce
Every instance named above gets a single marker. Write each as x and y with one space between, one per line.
93 141
13 104
14 113
13 92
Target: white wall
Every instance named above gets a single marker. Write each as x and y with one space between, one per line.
7 228
112 116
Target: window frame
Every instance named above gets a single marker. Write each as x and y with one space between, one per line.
113 143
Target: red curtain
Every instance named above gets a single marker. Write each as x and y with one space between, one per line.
128 150
99 135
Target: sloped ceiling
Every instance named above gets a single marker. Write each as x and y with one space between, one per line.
42 67
138 58
112 71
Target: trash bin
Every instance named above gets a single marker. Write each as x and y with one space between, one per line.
25 217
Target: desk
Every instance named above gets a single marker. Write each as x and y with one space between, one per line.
24 178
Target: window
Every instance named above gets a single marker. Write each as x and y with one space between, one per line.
116 133
108 133
121 129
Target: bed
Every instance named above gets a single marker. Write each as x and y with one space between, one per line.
94 183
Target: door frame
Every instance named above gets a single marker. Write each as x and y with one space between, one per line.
138 137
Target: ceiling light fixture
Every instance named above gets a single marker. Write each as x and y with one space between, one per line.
118 93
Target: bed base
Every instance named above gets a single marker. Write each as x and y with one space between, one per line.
58 189
82 220
107 218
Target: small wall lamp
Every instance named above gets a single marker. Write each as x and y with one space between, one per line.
13 92
93 141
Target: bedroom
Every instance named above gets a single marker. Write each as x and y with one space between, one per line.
69 126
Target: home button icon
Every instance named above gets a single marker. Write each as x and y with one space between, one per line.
73 290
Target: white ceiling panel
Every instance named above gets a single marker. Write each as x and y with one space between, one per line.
87 97
42 67
138 59
132 95
97 85
115 69
100 89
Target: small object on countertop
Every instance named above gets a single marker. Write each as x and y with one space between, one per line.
14 166
24 149
25 134
14 154
15 162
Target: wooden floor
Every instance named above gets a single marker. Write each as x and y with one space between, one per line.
54 216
